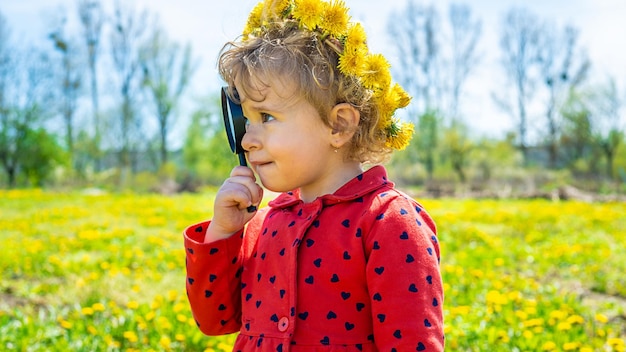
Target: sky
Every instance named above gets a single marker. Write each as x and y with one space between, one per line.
208 24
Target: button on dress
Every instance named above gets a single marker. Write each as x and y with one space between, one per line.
357 270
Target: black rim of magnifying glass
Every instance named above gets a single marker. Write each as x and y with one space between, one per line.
235 124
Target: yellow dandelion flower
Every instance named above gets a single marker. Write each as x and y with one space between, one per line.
181 318
548 346
601 318
178 307
335 18
575 319
351 62
563 326
131 336
132 305
533 322
400 135
387 106
308 13
87 311
402 97
165 342
356 38
503 336
275 9
254 19
376 72
172 295
527 334
570 346
98 307
65 324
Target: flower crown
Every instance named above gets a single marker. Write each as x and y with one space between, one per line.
330 20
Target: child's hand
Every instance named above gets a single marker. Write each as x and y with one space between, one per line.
237 193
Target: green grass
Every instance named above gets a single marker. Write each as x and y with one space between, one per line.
106 272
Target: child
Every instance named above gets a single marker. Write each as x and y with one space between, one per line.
340 260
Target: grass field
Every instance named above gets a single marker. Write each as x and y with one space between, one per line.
106 273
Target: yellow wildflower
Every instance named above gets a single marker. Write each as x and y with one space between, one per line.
131 336
254 19
335 18
356 37
575 319
564 326
533 322
65 324
376 72
601 318
351 63
402 97
400 136
181 318
308 13
165 342
548 346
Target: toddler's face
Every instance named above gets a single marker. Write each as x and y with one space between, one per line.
287 144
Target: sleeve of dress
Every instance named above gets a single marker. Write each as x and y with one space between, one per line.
213 280
404 279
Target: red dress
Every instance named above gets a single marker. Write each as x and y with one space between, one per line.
357 270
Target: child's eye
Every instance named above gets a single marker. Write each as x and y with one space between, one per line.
267 117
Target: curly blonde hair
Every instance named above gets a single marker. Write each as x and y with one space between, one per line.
285 52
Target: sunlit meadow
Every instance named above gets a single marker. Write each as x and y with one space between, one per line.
100 272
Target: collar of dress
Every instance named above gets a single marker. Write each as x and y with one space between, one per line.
367 182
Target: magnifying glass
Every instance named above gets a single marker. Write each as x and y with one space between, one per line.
235 124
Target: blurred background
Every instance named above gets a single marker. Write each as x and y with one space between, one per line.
106 106
518 98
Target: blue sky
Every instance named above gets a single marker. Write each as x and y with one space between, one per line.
208 24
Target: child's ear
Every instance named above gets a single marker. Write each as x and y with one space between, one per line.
344 119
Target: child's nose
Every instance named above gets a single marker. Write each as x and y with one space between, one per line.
250 140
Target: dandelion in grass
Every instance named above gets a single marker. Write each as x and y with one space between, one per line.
131 336
548 346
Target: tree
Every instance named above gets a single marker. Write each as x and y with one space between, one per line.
127 36
563 68
577 135
414 32
166 74
69 84
519 42
465 35
25 86
457 148
91 18
415 37
608 130
206 153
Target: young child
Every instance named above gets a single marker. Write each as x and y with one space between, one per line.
340 260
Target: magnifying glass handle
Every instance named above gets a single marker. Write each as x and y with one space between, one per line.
242 162
242 159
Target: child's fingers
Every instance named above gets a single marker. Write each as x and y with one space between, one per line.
245 176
